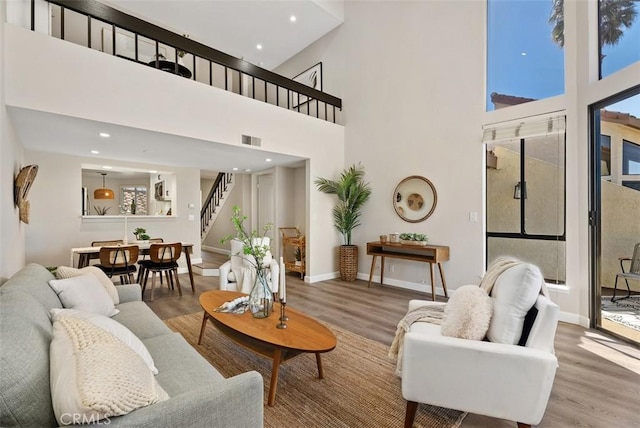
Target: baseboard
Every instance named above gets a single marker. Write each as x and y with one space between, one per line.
424 288
215 249
572 318
323 277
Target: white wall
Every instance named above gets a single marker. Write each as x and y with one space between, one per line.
411 108
12 242
182 107
56 225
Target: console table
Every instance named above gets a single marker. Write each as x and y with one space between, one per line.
420 253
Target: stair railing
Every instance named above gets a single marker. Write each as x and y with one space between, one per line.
213 199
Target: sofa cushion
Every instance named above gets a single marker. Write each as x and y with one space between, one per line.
34 279
84 293
113 327
94 375
25 334
467 313
513 295
141 320
64 272
180 367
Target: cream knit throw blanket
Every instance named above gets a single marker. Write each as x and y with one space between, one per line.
429 313
112 379
434 313
495 270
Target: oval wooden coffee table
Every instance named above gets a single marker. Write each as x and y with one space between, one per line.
302 335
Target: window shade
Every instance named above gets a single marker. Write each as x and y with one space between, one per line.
531 127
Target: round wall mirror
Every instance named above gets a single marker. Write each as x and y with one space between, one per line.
415 199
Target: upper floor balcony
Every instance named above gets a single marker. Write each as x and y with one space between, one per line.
97 26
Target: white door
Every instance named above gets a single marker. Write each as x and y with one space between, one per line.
266 204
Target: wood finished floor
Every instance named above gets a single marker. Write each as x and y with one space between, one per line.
597 383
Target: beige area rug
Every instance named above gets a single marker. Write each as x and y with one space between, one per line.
359 388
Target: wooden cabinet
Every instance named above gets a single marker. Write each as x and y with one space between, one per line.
293 250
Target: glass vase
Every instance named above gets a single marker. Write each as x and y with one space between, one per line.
261 296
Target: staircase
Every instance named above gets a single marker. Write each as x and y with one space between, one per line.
214 201
211 207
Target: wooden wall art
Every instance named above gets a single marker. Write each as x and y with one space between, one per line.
21 186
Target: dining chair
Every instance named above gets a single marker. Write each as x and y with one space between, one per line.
110 243
144 252
119 261
163 258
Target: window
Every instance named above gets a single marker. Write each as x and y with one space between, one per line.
630 158
134 200
525 56
526 194
619 35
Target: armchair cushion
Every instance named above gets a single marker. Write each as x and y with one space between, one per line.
513 295
467 314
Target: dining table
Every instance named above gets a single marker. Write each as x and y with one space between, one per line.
87 253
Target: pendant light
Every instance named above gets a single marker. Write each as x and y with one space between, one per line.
103 193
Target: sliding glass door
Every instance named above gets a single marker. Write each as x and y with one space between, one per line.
615 213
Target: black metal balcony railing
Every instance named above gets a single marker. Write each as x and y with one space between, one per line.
182 56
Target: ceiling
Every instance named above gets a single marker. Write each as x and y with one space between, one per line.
71 136
232 26
236 27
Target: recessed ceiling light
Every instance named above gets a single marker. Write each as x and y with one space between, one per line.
104 135
268 159
107 167
95 152
247 170
259 46
235 169
152 171
292 18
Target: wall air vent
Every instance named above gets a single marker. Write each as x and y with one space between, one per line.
251 141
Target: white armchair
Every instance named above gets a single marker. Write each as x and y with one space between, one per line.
501 380
237 274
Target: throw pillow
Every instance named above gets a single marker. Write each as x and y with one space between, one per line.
113 327
95 376
514 294
64 272
467 314
84 293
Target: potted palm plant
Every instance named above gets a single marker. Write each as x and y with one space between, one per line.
352 192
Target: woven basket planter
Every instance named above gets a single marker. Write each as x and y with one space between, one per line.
348 262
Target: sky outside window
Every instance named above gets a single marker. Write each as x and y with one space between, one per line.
523 60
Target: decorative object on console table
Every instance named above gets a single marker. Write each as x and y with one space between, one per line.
352 192
413 239
261 295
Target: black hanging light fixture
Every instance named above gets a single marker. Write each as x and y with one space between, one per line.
103 192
